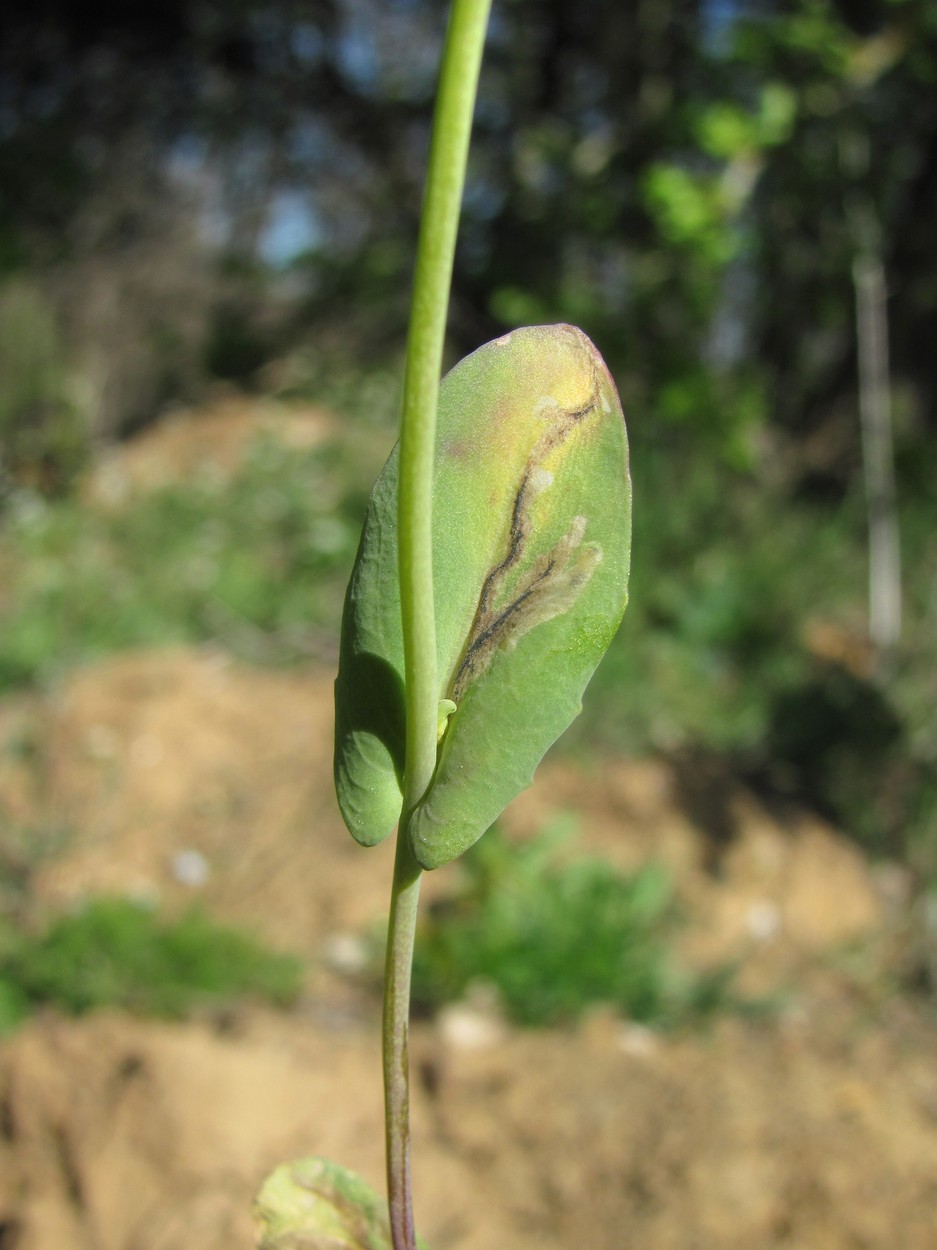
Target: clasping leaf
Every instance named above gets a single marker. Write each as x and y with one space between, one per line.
531 548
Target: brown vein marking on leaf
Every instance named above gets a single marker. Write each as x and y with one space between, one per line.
553 582
520 514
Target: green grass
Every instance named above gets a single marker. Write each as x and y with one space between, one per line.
258 563
725 575
555 935
115 953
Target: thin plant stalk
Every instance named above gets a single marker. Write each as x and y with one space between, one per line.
455 103
404 902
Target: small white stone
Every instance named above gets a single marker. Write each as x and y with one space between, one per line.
191 868
763 920
464 1028
638 1041
346 953
475 1023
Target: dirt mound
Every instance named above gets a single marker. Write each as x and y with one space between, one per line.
211 442
182 775
771 891
119 1134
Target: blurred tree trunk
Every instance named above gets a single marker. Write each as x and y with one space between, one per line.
877 452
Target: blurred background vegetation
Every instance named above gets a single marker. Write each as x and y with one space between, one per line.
205 192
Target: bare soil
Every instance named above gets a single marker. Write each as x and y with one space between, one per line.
812 1126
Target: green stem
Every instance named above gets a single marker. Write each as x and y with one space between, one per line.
439 222
404 901
452 124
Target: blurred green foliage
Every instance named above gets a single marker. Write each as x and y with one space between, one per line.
745 638
259 562
691 183
554 935
43 432
116 953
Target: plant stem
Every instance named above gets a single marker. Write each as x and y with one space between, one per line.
404 901
452 124
439 222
